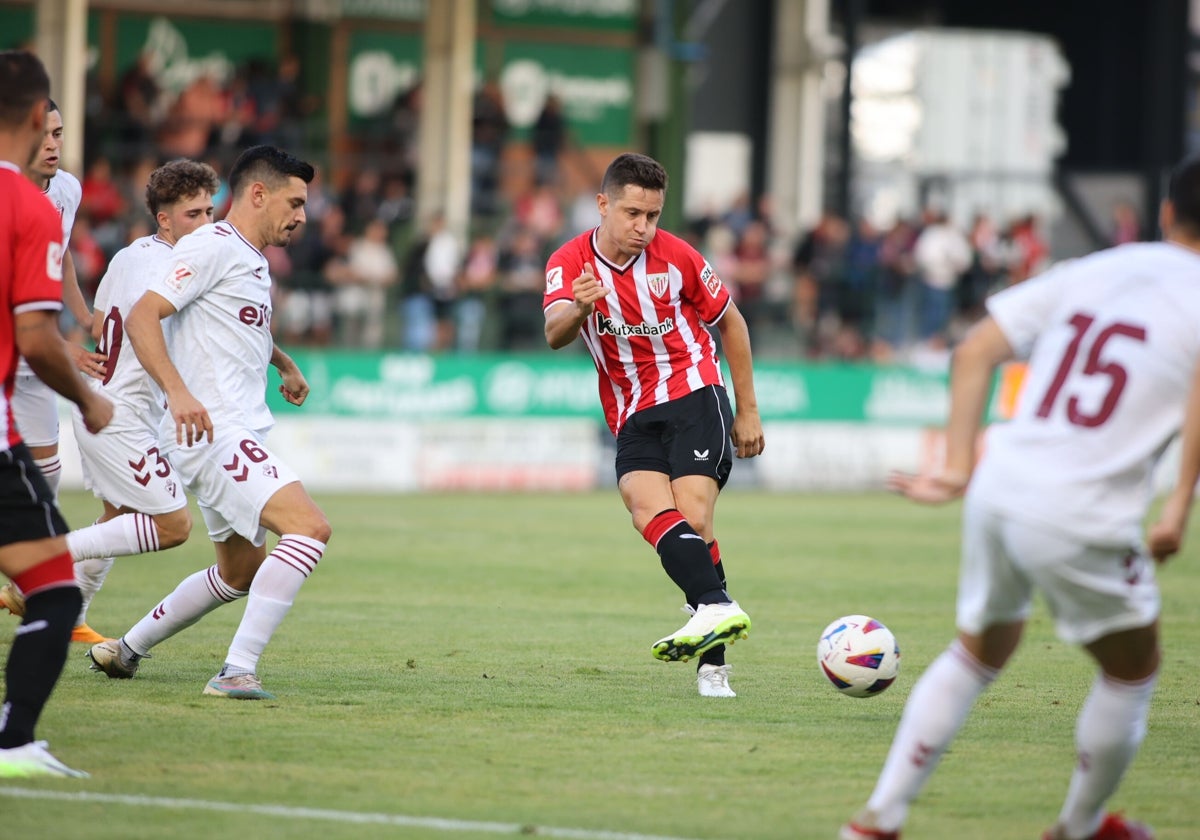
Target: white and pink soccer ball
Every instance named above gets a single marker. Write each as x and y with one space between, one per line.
858 655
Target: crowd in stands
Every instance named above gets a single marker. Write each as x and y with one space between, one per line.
366 273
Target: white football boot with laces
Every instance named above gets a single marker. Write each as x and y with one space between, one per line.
713 681
709 626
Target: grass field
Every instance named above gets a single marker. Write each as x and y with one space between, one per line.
461 664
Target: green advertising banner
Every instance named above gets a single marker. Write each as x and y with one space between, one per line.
609 15
184 49
383 65
594 84
413 387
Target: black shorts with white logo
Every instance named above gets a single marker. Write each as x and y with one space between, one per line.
27 509
687 436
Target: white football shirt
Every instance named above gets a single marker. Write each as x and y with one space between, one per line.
65 193
220 339
136 396
1112 341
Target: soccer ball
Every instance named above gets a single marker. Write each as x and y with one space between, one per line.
859 655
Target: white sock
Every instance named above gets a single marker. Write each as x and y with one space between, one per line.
1108 732
275 587
195 597
51 469
129 533
89 577
936 709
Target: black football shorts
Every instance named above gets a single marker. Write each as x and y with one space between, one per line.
27 509
687 436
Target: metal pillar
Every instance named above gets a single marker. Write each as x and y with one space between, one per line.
796 126
444 182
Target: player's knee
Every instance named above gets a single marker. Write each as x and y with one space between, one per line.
173 528
317 527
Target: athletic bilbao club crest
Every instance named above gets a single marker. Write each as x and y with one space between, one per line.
658 284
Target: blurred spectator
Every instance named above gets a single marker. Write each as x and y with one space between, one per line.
479 274
396 205
139 103
818 271
190 120
306 305
942 253
897 292
856 307
750 272
1126 226
539 211
361 292
404 147
522 284
549 140
489 131
443 261
102 197
1030 251
417 317
361 202
987 267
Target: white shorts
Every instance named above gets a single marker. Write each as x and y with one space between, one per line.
124 467
1091 591
35 410
232 479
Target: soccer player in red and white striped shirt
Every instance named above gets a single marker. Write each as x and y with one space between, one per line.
33 546
643 299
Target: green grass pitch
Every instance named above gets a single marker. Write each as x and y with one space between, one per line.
484 660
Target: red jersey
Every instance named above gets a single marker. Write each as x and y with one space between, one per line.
31 255
648 336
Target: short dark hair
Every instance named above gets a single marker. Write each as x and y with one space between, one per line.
51 105
1184 193
636 170
269 165
178 180
24 84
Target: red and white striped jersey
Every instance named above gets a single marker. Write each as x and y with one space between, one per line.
647 337
31 255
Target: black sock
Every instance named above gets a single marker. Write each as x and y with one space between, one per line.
36 660
716 655
686 561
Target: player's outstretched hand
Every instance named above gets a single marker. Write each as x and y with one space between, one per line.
97 411
927 489
89 363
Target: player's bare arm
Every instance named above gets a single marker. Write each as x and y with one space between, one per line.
974 364
1165 537
563 320
86 361
144 328
747 433
295 386
40 342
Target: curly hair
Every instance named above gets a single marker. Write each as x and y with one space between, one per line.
178 180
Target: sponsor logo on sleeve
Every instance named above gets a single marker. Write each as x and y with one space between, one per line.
54 260
710 280
554 279
179 276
